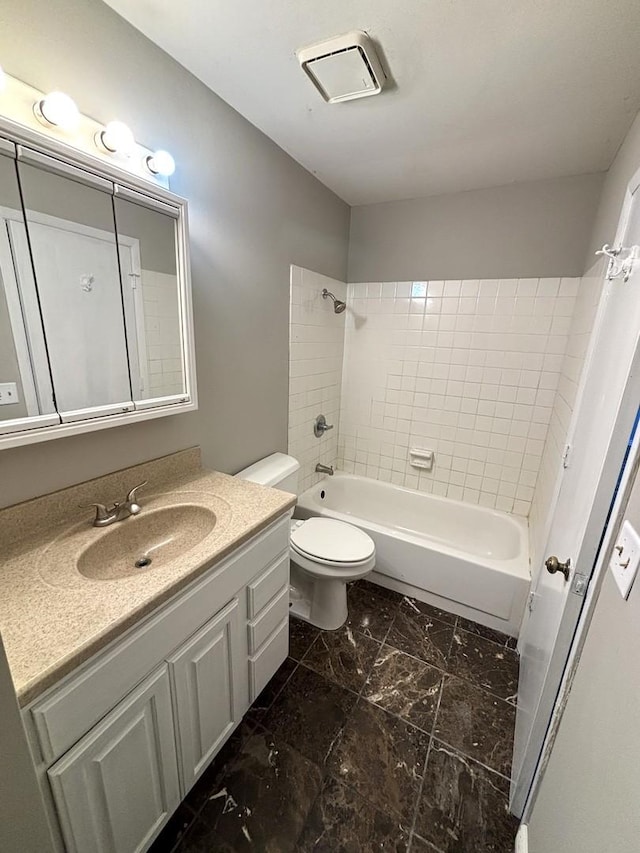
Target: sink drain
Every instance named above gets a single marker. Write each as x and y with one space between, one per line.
142 563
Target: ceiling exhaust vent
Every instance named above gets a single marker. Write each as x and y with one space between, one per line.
343 68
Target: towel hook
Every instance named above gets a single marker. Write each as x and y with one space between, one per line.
617 268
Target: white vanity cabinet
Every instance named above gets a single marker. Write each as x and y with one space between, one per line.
120 741
207 706
115 788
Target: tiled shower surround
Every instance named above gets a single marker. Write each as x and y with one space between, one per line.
316 342
468 369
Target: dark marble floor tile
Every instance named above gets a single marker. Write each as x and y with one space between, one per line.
370 613
482 631
464 807
310 713
419 845
382 757
420 635
343 656
389 594
270 693
341 821
476 723
404 686
512 643
487 665
301 636
428 609
174 831
199 794
261 802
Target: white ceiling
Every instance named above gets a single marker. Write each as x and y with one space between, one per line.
487 91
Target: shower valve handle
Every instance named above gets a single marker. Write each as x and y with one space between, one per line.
320 426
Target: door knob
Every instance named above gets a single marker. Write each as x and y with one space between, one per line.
554 565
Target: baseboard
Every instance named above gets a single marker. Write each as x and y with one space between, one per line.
522 839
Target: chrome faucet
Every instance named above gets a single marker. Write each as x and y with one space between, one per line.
118 511
324 469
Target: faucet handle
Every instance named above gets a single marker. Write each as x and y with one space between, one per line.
101 511
131 497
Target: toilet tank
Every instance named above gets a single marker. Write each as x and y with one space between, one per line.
278 471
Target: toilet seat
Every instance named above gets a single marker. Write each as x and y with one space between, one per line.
331 542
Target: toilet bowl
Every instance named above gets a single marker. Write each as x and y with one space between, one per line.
325 554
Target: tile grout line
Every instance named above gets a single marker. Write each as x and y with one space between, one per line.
424 771
471 758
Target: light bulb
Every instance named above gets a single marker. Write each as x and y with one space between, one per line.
161 163
58 110
117 138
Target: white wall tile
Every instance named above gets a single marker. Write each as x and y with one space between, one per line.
470 370
316 345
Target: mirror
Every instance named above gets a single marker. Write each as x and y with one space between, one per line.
95 302
148 262
25 383
72 240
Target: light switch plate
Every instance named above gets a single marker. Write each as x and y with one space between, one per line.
8 393
625 558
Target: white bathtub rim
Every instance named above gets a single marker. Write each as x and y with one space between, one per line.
518 566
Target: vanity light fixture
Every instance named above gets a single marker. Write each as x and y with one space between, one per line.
116 138
57 110
161 163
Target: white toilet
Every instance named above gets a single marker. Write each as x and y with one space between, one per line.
325 553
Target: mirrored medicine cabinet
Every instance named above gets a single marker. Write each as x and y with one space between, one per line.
96 325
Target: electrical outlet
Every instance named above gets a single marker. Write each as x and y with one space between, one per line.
8 393
625 558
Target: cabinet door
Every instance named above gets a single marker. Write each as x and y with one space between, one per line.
207 705
116 787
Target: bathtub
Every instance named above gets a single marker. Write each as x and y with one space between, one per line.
463 558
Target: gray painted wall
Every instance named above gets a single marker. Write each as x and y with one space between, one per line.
253 211
23 824
523 230
586 798
623 168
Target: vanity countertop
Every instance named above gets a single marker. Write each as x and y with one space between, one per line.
52 618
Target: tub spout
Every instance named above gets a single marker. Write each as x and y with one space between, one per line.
324 469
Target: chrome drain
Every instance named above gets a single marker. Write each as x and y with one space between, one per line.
142 563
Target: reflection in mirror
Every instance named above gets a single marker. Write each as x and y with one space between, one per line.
75 259
148 259
25 381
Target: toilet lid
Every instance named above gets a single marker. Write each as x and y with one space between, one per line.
332 540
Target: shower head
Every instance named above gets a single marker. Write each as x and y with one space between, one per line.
338 305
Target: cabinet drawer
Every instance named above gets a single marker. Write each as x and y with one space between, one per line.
263 665
84 697
268 620
261 590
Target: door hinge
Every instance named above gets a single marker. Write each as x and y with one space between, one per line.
531 603
579 584
566 456
134 276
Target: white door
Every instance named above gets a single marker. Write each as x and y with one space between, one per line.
78 281
115 789
207 706
599 435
